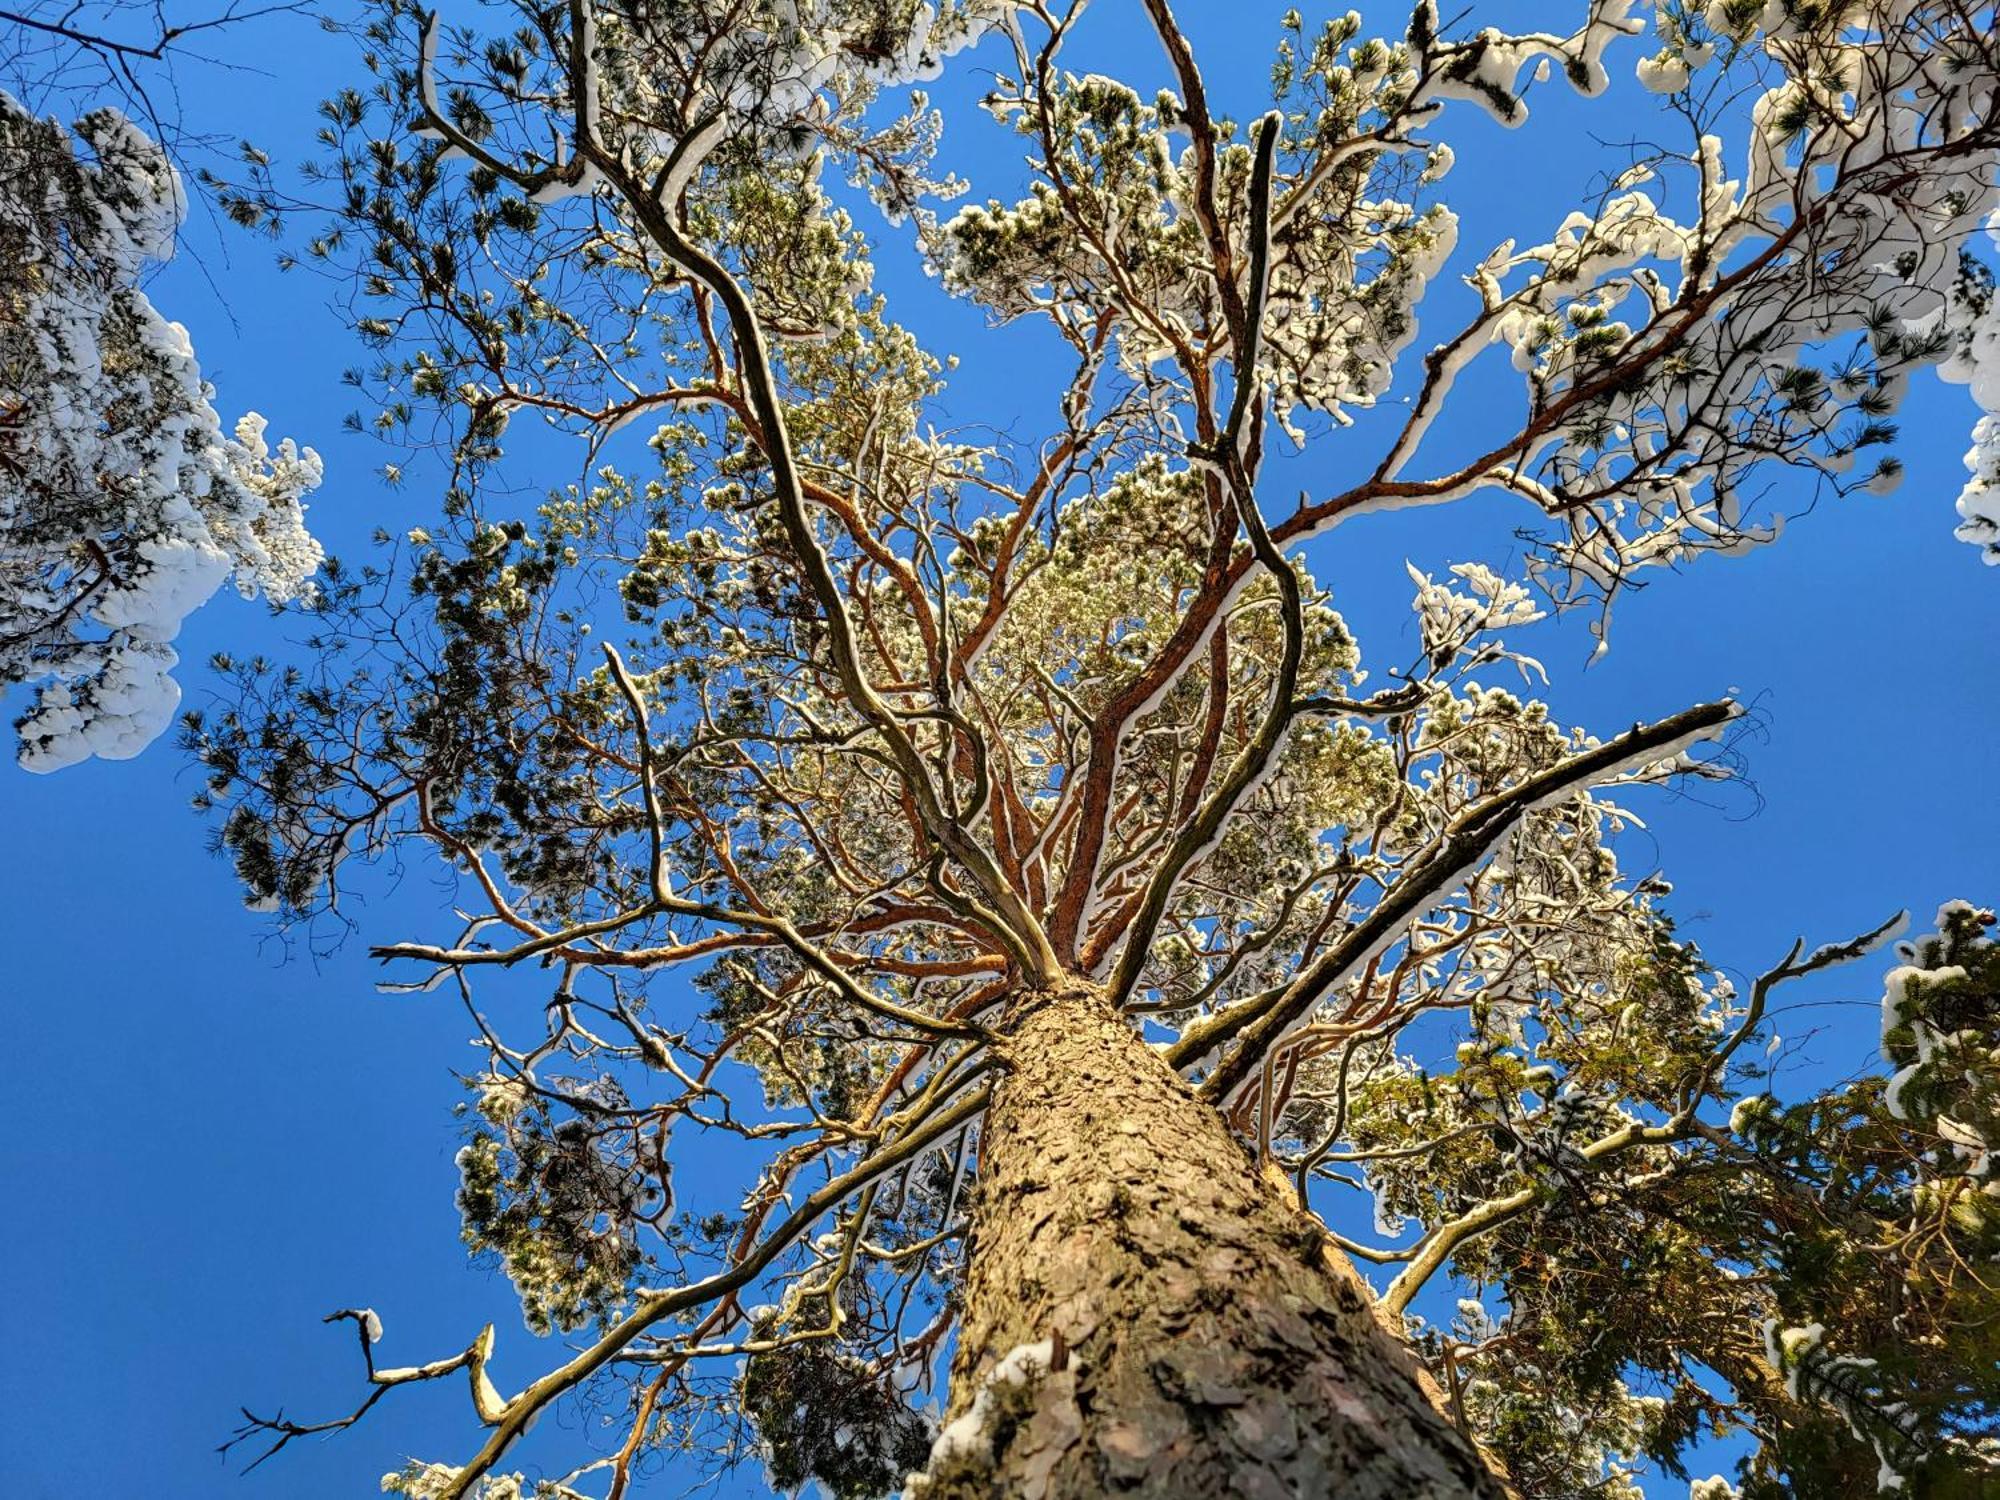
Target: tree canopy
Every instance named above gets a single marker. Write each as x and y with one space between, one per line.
872 736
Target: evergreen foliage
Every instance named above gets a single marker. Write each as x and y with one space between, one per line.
880 733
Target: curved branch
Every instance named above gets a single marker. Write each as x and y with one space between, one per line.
1258 1025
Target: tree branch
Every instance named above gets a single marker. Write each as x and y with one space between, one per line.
1260 1024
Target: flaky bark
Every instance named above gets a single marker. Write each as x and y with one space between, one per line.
1149 1314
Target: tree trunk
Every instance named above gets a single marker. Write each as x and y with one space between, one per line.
1148 1314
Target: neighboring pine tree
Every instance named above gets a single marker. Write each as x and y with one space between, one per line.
123 503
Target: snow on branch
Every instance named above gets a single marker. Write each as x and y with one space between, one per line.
123 504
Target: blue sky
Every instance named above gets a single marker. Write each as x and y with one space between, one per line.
216 1137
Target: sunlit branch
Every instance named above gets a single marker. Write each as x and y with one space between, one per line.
1256 1026
472 1360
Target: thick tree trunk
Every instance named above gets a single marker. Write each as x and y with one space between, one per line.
1148 1314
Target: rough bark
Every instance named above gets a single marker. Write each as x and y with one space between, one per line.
1149 1314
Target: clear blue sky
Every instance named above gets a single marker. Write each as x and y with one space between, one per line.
214 1139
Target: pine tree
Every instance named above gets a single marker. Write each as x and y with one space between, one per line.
1016 811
